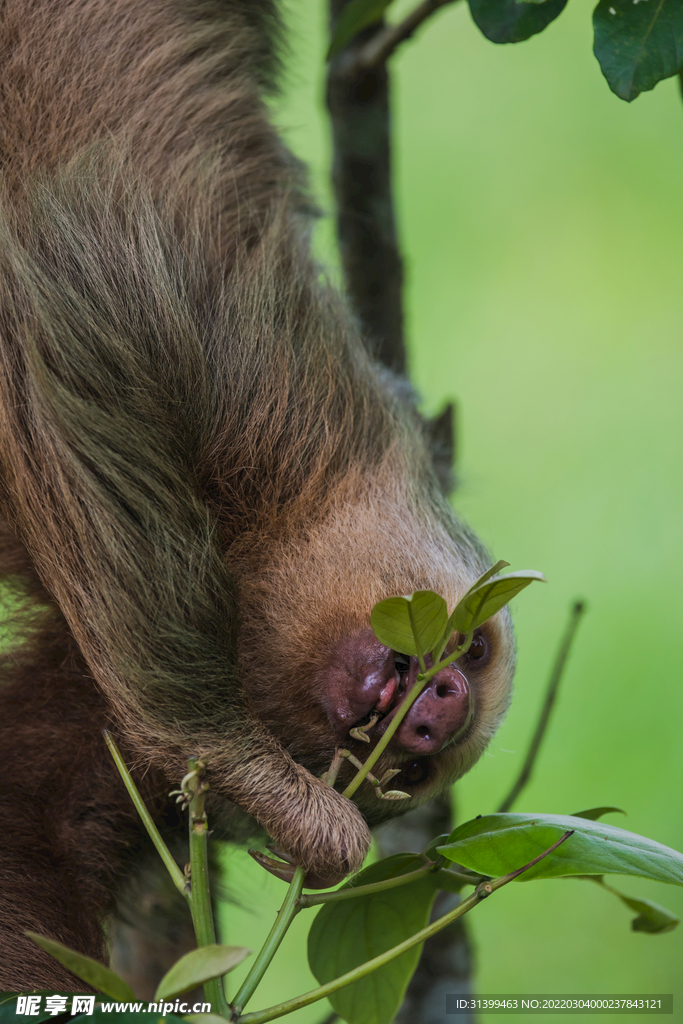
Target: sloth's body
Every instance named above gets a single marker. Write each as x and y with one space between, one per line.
207 483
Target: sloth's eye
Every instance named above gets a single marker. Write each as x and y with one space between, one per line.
478 649
414 773
402 663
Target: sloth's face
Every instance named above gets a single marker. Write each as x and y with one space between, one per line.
314 670
446 728
312 704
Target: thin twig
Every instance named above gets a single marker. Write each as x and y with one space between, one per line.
153 832
310 900
548 704
285 916
378 49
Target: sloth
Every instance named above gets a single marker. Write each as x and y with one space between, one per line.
206 482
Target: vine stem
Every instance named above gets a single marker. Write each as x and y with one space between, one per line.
450 878
199 895
152 831
522 779
286 915
366 890
480 893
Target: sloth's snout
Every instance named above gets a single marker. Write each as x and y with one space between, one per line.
440 714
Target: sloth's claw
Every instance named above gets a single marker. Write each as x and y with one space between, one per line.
279 868
285 868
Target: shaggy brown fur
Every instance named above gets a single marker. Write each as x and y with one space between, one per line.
207 483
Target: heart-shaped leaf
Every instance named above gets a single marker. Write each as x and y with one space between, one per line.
500 843
504 21
198 966
481 602
356 16
347 933
637 43
411 625
91 971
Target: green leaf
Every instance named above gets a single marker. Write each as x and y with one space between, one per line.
198 966
346 934
480 603
95 974
504 21
8 1005
356 16
441 646
8 1013
637 44
411 625
500 843
652 918
488 574
597 812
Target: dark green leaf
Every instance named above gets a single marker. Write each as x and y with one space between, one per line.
500 843
504 21
480 603
346 934
356 16
198 966
452 883
597 812
412 625
8 1006
431 849
95 974
638 43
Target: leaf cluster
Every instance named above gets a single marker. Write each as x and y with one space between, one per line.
637 43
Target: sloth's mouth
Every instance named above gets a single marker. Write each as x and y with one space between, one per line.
441 714
391 696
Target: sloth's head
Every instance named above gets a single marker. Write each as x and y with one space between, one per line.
314 670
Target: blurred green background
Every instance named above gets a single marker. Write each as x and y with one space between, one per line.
542 225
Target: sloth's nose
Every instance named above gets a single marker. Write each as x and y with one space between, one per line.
440 713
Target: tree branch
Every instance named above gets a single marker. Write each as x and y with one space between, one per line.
358 102
548 704
380 47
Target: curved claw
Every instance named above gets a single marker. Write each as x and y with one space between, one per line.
281 854
285 868
282 870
